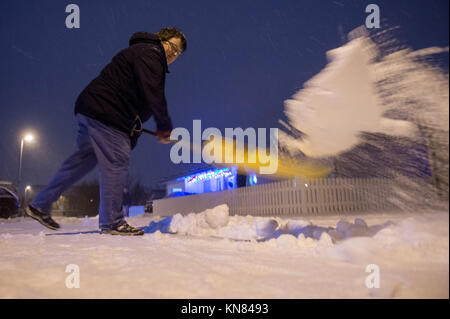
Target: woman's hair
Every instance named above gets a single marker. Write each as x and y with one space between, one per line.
166 34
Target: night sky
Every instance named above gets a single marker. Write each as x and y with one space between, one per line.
244 58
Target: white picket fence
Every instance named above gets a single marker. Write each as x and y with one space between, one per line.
289 198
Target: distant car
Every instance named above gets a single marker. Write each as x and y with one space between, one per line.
148 208
9 203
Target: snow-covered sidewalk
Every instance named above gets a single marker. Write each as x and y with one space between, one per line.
412 255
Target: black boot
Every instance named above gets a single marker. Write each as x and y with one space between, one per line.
44 219
124 230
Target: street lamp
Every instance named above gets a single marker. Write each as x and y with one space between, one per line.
26 138
28 188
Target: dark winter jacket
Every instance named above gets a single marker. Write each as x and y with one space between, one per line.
130 88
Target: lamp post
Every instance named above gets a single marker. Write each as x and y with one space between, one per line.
28 188
26 138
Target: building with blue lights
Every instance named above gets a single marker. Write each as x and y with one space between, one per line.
209 180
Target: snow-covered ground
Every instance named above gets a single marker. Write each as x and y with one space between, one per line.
412 253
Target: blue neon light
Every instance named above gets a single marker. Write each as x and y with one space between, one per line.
208 175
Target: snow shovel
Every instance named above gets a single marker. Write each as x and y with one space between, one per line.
288 167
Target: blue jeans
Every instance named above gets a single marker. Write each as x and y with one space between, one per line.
97 144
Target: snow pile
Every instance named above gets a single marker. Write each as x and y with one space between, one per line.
216 222
218 216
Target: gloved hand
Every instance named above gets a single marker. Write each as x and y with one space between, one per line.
163 136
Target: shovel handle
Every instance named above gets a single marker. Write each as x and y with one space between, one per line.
149 132
154 134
